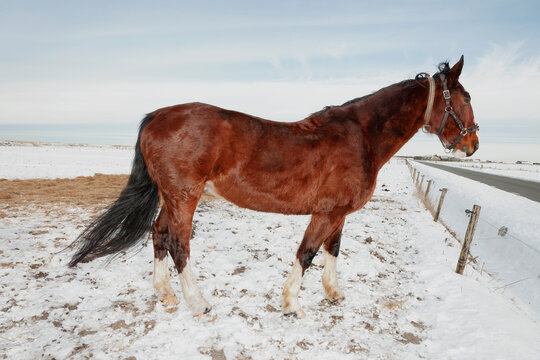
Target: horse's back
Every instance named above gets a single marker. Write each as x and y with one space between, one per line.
196 142
255 163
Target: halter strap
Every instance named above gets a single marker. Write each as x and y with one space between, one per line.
448 110
427 116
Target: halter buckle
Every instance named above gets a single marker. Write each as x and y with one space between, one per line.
426 128
446 94
464 132
448 108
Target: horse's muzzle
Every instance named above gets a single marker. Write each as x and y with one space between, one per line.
468 151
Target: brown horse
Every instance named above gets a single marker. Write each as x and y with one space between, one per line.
325 165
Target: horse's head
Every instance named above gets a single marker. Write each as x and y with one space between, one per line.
452 117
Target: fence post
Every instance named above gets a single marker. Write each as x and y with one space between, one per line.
427 189
421 182
414 173
443 194
468 238
417 178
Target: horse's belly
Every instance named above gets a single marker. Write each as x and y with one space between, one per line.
261 199
297 200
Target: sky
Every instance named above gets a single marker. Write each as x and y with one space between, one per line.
70 66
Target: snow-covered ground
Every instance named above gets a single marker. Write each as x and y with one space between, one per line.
24 160
514 257
519 171
396 266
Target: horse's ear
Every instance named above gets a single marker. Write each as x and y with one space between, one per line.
455 71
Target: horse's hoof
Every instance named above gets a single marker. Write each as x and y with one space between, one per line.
206 316
336 301
299 314
171 309
169 300
202 310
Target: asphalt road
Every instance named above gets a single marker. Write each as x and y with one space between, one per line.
528 189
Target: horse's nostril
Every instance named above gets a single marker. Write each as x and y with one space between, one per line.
476 145
465 149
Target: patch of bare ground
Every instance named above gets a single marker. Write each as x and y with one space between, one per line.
85 191
215 354
95 191
409 338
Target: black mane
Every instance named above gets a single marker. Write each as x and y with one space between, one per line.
408 82
443 67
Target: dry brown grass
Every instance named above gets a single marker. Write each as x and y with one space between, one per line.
85 191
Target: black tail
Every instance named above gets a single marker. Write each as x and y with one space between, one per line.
125 222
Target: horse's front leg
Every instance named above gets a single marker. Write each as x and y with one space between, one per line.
321 227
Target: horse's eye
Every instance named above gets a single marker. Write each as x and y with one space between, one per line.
467 100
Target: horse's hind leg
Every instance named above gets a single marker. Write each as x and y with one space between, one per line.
160 238
329 279
181 209
321 227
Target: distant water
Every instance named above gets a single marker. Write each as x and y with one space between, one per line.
99 134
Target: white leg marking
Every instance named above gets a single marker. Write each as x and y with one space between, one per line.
162 283
329 279
291 290
192 294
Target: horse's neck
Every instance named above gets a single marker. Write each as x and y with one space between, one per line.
391 118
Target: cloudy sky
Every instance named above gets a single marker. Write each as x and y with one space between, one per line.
109 62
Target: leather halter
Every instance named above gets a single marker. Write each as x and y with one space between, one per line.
448 110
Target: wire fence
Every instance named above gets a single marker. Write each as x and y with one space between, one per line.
457 203
536 250
509 256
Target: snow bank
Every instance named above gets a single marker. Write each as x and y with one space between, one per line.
513 258
519 171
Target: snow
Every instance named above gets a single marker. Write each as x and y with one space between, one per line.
528 172
396 267
514 258
20 160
